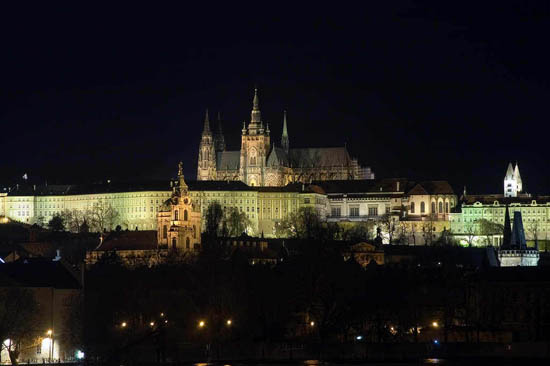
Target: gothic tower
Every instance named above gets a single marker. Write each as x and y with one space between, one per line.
284 139
255 144
206 169
219 141
512 181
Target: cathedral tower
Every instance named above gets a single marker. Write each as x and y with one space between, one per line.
255 146
512 181
284 138
219 141
206 169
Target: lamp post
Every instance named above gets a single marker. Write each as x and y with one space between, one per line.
50 336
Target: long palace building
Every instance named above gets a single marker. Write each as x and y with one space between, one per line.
260 162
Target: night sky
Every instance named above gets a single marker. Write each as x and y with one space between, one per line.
417 90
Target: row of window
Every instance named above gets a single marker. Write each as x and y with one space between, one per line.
439 206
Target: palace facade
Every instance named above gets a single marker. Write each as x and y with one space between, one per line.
260 162
475 210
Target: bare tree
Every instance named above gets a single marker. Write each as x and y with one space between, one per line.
428 230
489 228
102 216
18 309
470 232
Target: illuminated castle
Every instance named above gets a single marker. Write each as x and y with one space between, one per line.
261 163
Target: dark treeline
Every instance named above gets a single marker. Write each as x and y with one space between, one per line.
311 297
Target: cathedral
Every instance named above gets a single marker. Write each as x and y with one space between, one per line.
260 162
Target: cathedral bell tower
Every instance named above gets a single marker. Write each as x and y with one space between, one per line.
255 144
206 169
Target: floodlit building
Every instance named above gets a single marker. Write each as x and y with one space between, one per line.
514 252
479 219
260 162
56 290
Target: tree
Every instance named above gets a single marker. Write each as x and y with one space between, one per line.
359 232
74 219
56 223
102 216
428 230
213 218
489 228
387 221
236 222
470 231
18 309
304 224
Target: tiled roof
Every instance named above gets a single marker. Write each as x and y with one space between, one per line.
489 199
218 185
319 157
129 240
388 185
38 273
278 157
94 188
432 187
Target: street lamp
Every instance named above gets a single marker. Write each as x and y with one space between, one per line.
123 324
201 324
152 324
435 324
228 322
312 323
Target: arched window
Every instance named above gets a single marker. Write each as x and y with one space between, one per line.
447 207
184 215
440 207
174 242
412 207
176 214
187 245
252 156
422 207
165 232
433 207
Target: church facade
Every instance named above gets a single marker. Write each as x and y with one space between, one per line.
260 162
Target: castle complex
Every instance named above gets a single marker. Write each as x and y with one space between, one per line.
260 162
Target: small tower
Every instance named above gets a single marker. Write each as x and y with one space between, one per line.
514 251
512 181
284 138
206 169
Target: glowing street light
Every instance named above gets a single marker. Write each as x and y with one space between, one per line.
228 322
435 324
123 324
201 324
49 332
162 315
312 323
152 324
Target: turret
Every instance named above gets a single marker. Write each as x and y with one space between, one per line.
255 127
284 138
206 167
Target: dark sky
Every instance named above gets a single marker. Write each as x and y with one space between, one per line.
418 90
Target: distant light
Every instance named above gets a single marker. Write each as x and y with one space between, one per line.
162 315
229 322
201 324
79 354
152 324
123 325
435 324
166 322
359 337
436 341
312 324
49 332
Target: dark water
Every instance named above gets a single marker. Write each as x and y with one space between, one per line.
424 362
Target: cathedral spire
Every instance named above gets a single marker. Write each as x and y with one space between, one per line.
255 116
206 130
284 138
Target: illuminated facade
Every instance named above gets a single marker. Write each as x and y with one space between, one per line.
475 210
261 163
179 219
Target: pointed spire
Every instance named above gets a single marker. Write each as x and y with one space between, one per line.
181 179
284 139
517 177
255 116
206 130
507 234
509 171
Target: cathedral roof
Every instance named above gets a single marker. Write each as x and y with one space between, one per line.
319 157
489 199
228 160
388 185
278 157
